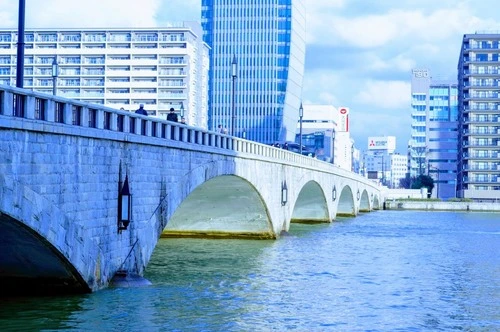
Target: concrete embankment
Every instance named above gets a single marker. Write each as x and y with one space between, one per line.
441 206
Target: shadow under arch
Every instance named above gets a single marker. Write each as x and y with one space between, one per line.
310 205
346 207
29 264
364 203
225 206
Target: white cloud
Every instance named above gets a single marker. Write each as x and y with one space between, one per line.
384 94
404 24
75 14
401 62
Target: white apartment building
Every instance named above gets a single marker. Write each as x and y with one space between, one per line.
398 169
160 68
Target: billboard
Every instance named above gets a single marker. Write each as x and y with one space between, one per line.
382 143
343 124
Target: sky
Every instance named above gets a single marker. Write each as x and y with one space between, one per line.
359 53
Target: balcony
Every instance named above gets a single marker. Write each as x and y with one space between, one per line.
482 120
475 168
482 132
481 72
474 143
481 109
482 156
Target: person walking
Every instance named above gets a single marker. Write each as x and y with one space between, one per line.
141 110
172 116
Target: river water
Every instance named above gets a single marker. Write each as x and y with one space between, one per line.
380 271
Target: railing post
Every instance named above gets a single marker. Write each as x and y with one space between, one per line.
176 133
7 103
85 116
114 122
99 119
126 124
138 124
51 110
68 113
29 110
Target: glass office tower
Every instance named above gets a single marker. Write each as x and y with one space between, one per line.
433 147
479 117
442 138
266 40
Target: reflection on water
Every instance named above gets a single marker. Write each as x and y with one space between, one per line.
382 271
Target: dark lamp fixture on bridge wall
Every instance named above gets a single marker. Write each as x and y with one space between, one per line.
358 195
182 110
284 194
334 193
124 206
55 72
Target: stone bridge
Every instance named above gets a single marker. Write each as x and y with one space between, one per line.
64 217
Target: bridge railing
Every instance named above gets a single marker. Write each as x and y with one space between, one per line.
27 104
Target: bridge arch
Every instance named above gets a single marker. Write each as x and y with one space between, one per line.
364 203
31 264
34 242
311 205
204 211
346 206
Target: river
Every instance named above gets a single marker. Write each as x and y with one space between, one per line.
380 271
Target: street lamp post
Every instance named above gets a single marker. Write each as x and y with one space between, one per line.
20 46
333 146
55 69
234 74
301 114
182 110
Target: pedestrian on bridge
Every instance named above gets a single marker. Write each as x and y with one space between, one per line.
141 110
172 116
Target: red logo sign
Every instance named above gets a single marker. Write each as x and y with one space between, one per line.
343 111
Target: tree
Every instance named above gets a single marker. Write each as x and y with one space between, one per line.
406 181
424 181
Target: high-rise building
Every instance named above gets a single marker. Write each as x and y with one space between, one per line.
442 138
433 144
479 117
257 63
160 68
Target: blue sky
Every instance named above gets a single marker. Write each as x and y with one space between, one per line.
359 52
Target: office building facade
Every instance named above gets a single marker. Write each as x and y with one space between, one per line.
318 131
479 117
434 136
378 159
261 92
160 68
